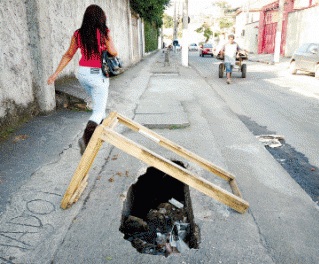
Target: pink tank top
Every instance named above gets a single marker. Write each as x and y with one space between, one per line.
95 60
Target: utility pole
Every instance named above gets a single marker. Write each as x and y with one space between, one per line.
247 11
175 22
161 37
279 31
175 26
185 35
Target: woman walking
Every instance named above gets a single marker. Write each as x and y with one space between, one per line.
92 38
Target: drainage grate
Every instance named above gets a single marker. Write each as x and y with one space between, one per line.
157 217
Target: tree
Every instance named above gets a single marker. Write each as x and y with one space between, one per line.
152 13
205 29
222 4
168 21
151 10
225 22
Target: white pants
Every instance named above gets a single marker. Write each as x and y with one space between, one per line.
97 87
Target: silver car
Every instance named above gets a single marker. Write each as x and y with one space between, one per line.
306 58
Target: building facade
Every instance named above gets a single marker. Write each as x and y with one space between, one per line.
258 32
269 16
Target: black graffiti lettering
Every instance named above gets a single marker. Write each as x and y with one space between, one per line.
26 220
7 261
56 194
23 245
40 207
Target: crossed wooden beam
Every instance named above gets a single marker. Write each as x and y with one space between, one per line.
105 132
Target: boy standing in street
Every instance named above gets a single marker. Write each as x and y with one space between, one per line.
229 51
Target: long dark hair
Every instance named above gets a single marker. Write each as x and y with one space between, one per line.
94 18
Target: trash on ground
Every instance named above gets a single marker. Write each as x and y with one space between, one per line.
177 236
272 141
164 231
20 138
176 203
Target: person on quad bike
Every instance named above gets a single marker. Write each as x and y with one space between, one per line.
230 51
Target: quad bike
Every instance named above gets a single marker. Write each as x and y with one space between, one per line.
239 65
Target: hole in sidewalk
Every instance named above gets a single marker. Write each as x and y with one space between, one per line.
157 215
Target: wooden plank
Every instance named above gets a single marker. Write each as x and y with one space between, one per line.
205 164
234 187
84 166
110 120
76 195
105 132
86 161
174 170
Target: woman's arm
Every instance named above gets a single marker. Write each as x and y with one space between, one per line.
110 46
66 58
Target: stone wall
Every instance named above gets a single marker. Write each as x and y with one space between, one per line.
34 36
302 28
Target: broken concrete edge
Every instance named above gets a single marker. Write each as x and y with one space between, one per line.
139 216
167 126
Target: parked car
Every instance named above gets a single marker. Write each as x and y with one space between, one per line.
206 49
306 58
193 47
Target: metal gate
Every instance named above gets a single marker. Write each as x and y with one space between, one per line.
269 35
268 27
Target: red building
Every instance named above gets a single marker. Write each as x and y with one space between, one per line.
268 25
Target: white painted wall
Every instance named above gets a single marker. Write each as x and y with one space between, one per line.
302 28
251 37
246 31
301 3
34 36
15 59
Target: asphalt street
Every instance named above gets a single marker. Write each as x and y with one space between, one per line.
271 101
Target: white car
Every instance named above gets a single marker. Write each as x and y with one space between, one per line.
193 47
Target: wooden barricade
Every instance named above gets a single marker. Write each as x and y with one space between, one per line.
105 132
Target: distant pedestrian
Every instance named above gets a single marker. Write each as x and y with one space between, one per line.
230 51
91 38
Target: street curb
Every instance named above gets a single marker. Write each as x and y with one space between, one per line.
262 61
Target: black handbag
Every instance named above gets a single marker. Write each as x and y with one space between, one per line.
110 65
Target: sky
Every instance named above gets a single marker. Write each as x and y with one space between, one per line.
199 6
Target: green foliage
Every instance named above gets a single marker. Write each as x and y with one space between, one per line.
168 21
150 10
152 13
151 36
225 23
207 32
222 4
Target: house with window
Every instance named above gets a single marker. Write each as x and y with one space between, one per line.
303 25
246 28
258 31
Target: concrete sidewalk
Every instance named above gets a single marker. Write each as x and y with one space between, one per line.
268 59
281 225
